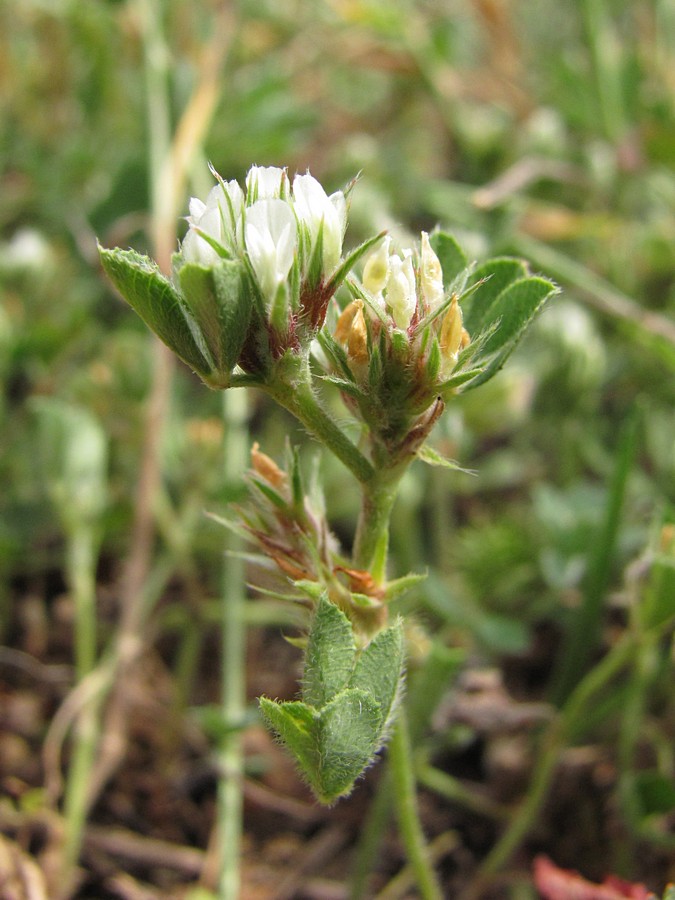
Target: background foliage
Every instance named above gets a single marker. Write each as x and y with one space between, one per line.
547 135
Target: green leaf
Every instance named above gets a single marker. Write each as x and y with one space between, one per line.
514 309
349 735
220 305
432 458
158 303
496 275
509 315
379 669
295 724
451 256
347 387
397 587
330 655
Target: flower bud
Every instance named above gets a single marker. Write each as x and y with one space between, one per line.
376 269
452 336
270 243
401 294
320 213
351 331
431 275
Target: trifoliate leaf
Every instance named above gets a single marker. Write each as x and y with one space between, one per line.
492 277
511 313
295 724
379 668
330 655
349 735
450 255
159 304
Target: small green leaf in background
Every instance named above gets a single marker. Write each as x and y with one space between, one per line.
158 303
656 793
74 456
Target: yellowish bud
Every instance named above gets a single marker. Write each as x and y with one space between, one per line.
266 467
357 344
351 331
344 323
376 269
452 335
431 275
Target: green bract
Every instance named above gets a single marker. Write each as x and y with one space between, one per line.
348 698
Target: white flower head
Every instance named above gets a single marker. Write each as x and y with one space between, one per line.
431 275
271 238
313 207
265 183
401 295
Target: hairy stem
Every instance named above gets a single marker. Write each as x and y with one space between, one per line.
296 394
233 642
371 543
407 813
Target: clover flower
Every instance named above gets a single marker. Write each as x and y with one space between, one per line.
271 224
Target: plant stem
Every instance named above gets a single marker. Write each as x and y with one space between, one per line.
559 731
371 542
295 393
405 799
233 638
82 578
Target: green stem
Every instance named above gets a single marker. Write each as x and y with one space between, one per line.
295 393
405 799
233 640
81 564
370 839
371 543
558 733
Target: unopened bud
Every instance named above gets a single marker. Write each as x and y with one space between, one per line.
265 466
376 269
351 331
344 323
452 334
357 343
431 275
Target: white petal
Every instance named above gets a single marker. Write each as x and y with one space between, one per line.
271 240
264 182
431 275
401 294
196 207
312 207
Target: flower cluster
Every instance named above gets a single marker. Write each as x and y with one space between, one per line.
399 339
272 222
